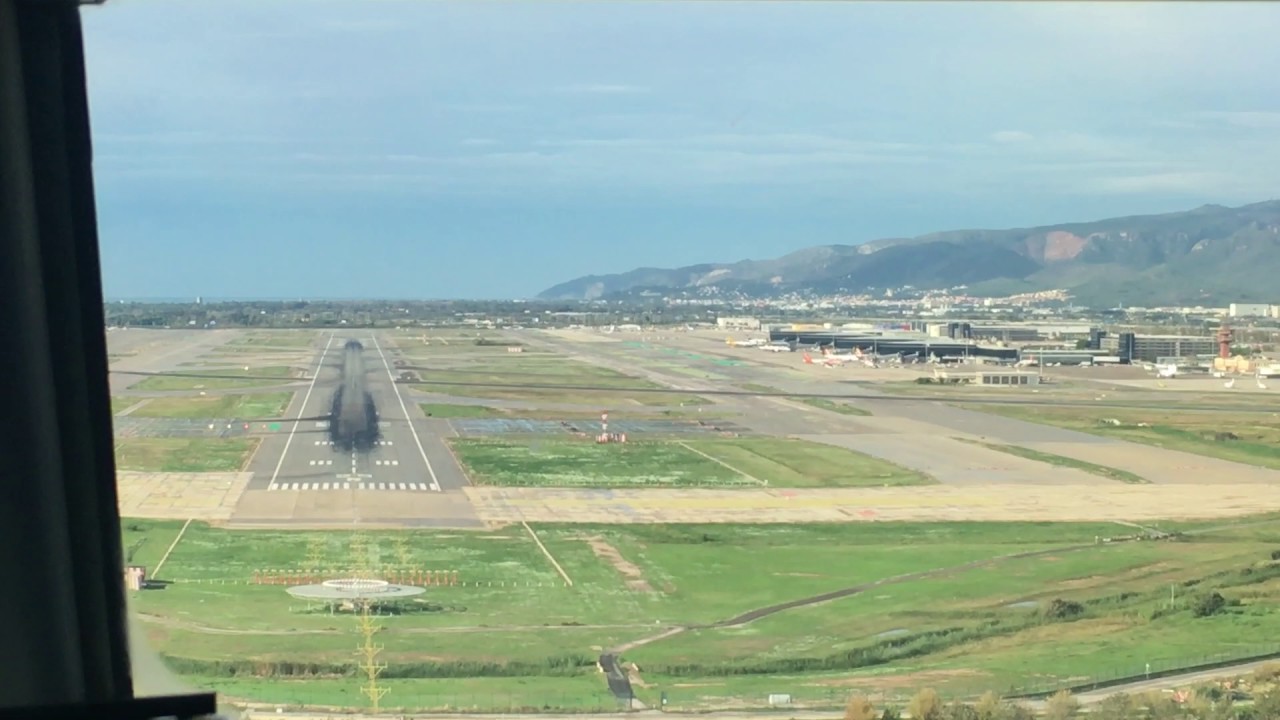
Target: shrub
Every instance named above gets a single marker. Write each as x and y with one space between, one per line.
1061 609
1210 604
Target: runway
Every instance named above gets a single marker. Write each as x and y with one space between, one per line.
409 476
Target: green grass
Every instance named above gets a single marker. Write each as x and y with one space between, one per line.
1061 461
617 390
800 463
584 463
758 388
689 463
219 379
450 411
1256 436
515 629
987 644
833 406
446 410
298 339
184 455
581 693
245 407
612 399
123 403
145 542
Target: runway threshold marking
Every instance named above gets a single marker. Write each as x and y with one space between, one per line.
435 482
317 486
315 375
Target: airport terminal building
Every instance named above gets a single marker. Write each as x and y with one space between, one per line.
887 341
1131 347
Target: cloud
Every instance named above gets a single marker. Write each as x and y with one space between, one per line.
1252 120
601 89
1011 136
1190 183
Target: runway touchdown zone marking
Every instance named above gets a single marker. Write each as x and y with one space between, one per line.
322 486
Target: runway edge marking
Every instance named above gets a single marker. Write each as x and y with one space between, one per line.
315 375
435 482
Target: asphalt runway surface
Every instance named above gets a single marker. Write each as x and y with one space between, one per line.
409 476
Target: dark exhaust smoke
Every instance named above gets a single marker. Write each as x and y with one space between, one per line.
353 421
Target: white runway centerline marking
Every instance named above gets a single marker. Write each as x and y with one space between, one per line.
435 482
315 375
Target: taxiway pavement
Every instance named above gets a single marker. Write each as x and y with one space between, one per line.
919 434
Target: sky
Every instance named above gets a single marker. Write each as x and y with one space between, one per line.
483 149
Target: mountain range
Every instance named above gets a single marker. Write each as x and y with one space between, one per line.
1212 254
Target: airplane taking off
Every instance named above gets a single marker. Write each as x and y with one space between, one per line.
353 422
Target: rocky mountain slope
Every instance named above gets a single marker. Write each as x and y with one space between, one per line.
1209 254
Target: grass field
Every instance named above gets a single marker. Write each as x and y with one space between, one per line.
577 693
612 399
583 463
184 455
219 379
615 390
677 463
450 410
123 403
1061 461
800 463
1252 438
296 339
244 407
523 638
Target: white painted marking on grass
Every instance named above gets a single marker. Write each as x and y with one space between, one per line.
156 573
547 552
315 375
753 479
435 482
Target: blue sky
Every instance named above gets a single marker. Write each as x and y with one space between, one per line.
424 149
